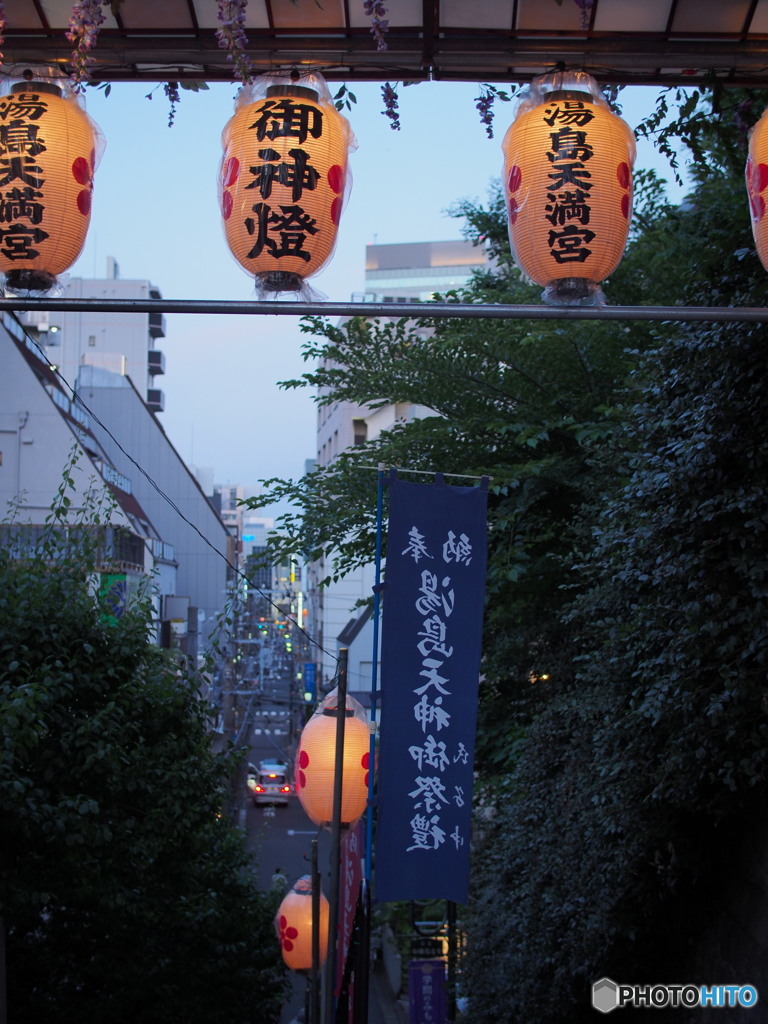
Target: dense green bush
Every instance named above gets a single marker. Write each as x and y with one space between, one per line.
126 895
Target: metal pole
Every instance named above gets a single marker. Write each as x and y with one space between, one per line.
374 679
333 898
390 310
314 976
452 958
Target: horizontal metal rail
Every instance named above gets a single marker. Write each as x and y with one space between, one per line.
409 310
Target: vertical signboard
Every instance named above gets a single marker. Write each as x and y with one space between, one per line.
431 645
426 992
351 875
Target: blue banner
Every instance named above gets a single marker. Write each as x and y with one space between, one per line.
432 617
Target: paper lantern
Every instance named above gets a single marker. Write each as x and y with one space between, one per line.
315 768
568 182
48 153
757 184
293 924
283 180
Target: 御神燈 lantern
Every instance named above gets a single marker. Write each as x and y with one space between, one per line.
757 184
315 768
568 186
283 180
49 148
293 924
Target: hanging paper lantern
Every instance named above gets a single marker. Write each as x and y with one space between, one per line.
293 924
48 153
284 180
315 768
757 184
568 182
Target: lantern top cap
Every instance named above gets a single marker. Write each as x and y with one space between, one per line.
569 94
34 85
561 85
299 91
303 886
330 706
308 85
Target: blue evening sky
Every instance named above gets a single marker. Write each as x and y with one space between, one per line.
155 210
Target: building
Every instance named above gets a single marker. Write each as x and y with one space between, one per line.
123 343
44 433
403 272
417 271
140 450
67 385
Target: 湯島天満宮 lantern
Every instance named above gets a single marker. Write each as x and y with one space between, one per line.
315 769
757 184
293 924
49 148
283 180
568 186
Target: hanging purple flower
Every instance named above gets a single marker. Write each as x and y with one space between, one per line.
585 6
484 103
3 27
377 12
390 106
84 24
232 37
171 90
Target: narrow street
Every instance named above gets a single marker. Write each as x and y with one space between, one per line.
279 836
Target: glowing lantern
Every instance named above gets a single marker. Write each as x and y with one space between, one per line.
568 181
315 768
48 152
757 183
284 180
293 924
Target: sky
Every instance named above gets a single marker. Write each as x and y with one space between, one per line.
155 211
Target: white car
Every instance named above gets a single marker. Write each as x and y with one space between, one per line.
269 784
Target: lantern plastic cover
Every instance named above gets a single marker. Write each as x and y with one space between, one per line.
757 185
567 177
293 925
52 204
284 180
315 767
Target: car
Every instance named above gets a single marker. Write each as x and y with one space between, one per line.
269 783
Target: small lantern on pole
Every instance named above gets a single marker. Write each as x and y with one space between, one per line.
49 149
316 756
283 180
568 185
757 185
293 924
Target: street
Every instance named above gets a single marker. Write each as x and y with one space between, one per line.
279 836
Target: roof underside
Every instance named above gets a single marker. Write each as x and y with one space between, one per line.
623 41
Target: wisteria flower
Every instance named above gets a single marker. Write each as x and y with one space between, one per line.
3 27
585 6
390 106
84 25
231 36
377 12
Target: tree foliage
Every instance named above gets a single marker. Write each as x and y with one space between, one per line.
622 727
126 894
628 790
